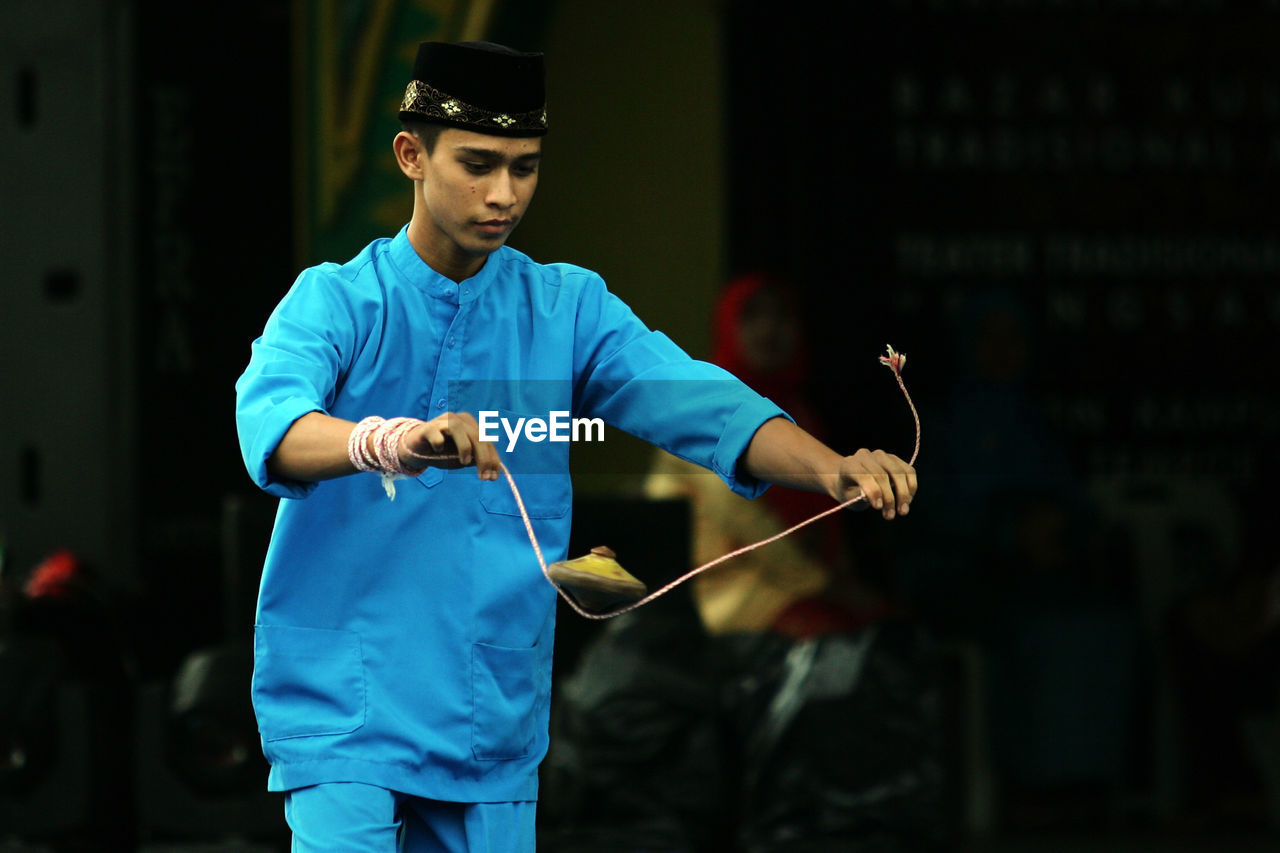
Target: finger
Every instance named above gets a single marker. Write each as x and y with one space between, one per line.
885 484
904 487
875 487
442 447
913 485
420 444
464 439
902 493
487 461
857 483
858 470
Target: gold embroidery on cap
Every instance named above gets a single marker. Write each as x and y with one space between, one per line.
430 103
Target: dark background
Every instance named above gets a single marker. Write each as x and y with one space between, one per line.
1062 211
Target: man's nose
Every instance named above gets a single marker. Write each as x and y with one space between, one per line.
502 191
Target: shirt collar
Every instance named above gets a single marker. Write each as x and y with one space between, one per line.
418 272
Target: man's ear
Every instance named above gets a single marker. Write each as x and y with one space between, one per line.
409 154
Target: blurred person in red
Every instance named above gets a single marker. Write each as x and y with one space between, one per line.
803 584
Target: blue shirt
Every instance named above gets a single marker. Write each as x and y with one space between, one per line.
407 643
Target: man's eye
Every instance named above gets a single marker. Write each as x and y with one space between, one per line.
524 171
477 168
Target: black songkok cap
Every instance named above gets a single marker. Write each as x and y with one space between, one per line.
478 86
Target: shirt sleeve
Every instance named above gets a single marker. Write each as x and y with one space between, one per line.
643 383
294 368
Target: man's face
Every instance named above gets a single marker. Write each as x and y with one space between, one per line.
474 190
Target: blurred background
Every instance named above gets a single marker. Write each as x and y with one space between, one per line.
1063 211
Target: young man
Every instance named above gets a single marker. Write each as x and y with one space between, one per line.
403 647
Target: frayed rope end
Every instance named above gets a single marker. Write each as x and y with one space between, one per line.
895 361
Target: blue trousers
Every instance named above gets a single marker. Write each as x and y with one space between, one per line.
349 817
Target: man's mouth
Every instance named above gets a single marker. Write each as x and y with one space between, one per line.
495 226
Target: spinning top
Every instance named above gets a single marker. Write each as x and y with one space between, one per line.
596 581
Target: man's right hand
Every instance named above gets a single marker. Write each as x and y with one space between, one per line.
451 440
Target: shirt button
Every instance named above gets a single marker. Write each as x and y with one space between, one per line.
440 404
451 342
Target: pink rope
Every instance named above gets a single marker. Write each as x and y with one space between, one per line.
894 361
384 457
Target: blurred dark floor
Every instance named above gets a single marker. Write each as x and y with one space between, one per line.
1117 842
1126 844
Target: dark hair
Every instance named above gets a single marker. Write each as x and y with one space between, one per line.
428 132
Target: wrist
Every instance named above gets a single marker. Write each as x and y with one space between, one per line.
377 445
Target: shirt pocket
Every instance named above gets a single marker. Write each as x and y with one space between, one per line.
307 681
503 699
540 470
430 478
